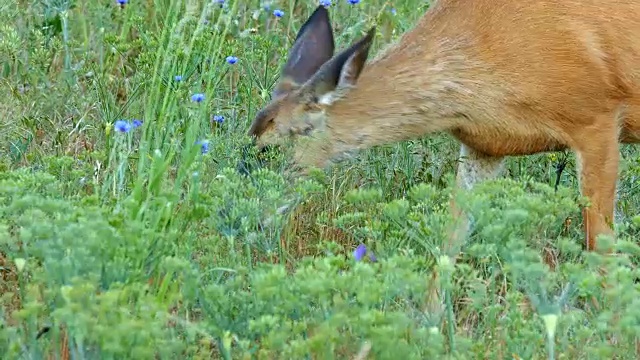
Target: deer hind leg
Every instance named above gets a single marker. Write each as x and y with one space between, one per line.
598 158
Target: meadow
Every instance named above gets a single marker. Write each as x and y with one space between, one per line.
127 230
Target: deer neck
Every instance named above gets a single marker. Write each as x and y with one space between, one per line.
406 93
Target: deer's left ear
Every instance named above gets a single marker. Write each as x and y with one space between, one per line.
342 71
314 45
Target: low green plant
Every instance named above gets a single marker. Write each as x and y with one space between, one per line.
137 221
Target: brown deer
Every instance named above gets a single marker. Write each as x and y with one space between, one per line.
504 77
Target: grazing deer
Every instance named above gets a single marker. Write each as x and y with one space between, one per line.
504 77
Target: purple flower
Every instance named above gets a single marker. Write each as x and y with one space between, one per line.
278 13
218 118
204 146
360 252
325 3
197 97
177 78
137 123
122 126
232 59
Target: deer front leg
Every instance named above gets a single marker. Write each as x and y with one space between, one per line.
473 168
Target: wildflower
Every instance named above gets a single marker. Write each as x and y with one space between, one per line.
137 123
353 2
204 146
177 78
278 13
393 11
361 251
197 97
123 126
218 118
232 59
122 2
325 3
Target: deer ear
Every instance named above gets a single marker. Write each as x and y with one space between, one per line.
343 70
314 45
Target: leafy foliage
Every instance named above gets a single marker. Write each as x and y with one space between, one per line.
130 228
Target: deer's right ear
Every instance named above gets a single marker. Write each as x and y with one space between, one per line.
314 45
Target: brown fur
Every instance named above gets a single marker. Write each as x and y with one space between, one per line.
504 77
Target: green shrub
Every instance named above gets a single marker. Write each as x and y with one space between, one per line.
145 241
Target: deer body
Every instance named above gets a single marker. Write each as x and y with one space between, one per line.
505 78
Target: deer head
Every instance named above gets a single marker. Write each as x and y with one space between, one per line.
311 81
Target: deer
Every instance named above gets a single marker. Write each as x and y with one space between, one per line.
504 78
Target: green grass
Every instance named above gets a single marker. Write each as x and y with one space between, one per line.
138 245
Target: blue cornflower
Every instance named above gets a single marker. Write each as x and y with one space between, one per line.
137 123
278 13
197 97
218 118
360 252
122 126
232 59
204 146
353 2
325 3
122 2
177 78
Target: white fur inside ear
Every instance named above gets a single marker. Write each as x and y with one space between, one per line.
327 99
